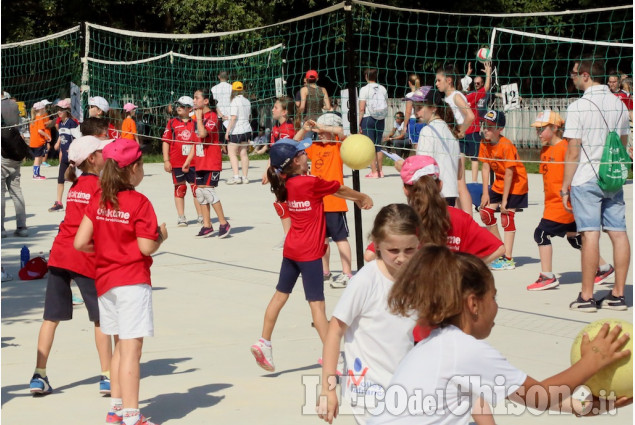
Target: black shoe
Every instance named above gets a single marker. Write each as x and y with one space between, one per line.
612 302
586 306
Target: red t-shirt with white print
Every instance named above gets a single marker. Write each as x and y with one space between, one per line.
180 135
63 253
118 259
305 240
209 156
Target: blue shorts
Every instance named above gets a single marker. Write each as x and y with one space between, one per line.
513 201
336 226
374 129
312 279
470 145
596 210
180 177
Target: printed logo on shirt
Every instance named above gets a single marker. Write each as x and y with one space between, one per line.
185 135
114 216
77 196
299 205
454 242
357 382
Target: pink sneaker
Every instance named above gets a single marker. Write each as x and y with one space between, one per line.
113 418
39 178
602 277
372 175
263 355
381 174
543 282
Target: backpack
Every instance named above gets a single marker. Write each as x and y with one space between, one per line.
613 170
376 105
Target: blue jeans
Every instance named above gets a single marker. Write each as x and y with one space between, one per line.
596 210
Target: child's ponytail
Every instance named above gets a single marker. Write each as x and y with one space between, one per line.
425 197
70 175
277 181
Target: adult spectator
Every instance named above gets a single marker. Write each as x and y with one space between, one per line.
14 149
373 108
239 133
477 99
589 120
615 85
313 98
222 92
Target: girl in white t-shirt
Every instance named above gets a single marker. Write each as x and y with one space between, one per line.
463 116
238 133
375 340
456 293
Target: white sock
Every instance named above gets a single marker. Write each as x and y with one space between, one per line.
547 274
131 416
267 343
605 268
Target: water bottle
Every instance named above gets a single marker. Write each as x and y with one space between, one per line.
25 256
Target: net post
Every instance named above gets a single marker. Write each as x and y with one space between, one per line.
351 76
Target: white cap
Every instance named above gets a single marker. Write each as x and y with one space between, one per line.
330 119
186 101
83 147
6 95
44 103
99 102
37 106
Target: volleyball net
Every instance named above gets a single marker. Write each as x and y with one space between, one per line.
532 58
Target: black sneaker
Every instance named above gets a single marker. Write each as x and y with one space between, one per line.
586 306
612 302
205 232
56 207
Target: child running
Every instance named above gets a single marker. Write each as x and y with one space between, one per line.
66 264
509 189
120 227
304 245
556 221
67 129
375 340
178 157
456 293
326 163
209 164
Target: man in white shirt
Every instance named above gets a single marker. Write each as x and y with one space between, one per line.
589 120
222 93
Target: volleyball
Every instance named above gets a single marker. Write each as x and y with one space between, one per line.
616 377
357 151
484 54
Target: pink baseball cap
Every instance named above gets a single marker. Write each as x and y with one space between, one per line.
417 166
123 151
129 107
64 104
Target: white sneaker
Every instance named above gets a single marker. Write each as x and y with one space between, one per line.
182 221
234 180
245 180
340 282
263 355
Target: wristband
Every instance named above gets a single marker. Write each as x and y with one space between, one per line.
563 193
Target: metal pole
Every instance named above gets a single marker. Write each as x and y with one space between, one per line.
351 76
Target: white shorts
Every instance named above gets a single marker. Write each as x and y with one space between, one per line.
127 311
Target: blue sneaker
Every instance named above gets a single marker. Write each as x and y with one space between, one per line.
77 300
104 385
39 385
503 263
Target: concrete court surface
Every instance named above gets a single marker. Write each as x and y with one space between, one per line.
209 299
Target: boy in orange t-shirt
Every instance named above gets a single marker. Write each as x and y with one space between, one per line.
40 135
326 163
509 189
556 221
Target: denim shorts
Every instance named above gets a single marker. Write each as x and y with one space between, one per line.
374 129
595 209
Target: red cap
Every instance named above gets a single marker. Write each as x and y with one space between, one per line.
35 268
311 74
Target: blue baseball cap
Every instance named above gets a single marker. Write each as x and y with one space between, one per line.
284 150
495 117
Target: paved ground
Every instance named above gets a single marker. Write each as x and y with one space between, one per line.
209 299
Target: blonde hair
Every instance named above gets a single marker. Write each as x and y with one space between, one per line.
395 219
435 283
414 80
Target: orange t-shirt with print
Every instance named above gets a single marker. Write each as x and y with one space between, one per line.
128 128
327 164
38 124
500 157
552 176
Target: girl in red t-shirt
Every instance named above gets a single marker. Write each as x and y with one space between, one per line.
66 264
304 245
120 227
283 113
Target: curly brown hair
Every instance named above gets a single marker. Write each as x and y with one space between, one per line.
425 197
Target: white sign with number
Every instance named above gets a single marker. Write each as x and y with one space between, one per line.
511 97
